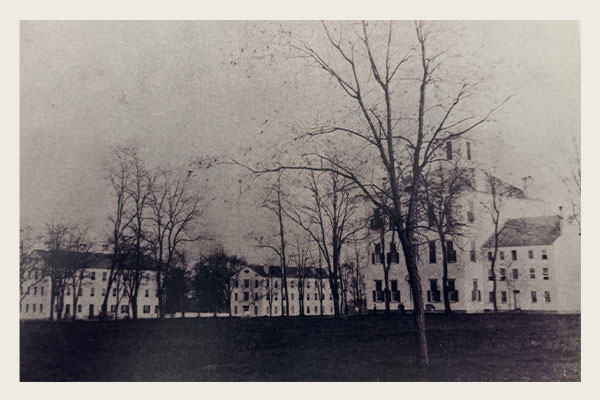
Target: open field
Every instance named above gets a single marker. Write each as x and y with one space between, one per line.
505 347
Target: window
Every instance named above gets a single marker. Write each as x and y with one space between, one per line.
113 308
41 307
502 274
246 308
316 296
515 273
547 297
533 297
308 284
491 294
155 309
545 274
292 296
255 296
490 256
330 297
78 308
92 292
275 309
293 284
256 283
315 309
378 285
42 291
27 305
147 294
472 256
36 275
114 292
450 252
79 292
432 254
513 254
544 255
448 150
276 284
103 292
530 252
235 283
307 309
502 255
503 296
235 296
468 150
104 276
93 276
275 298
124 309
235 310
268 296
430 216
246 296
34 307
146 310
246 283
531 273
35 290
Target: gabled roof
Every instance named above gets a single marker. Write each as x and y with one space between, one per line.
532 231
292 272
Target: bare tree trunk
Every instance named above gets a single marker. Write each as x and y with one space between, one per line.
445 294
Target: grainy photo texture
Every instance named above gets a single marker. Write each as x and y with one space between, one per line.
300 201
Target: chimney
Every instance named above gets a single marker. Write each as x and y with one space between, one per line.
527 186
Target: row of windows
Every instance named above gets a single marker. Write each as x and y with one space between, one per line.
513 255
35 291
275 297
114 292
292 309
113 308
515 274
504 296
247 283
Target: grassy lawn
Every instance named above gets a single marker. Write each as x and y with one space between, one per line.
505 347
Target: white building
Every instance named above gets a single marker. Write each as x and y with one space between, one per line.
94 269
468 282
258 292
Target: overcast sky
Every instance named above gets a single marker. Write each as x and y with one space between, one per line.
179 90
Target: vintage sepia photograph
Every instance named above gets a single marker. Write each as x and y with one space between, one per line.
300 201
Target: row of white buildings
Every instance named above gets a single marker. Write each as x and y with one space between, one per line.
538 268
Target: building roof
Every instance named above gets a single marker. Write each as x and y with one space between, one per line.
75 259
292 272
532 231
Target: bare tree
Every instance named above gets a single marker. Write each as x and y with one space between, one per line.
375 71
330 219
498 190
301 260
77 272
139 190
357 281
119 172
443 185
274 202
31 272
174 209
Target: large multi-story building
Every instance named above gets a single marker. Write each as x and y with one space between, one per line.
468 282
92 271
258 291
